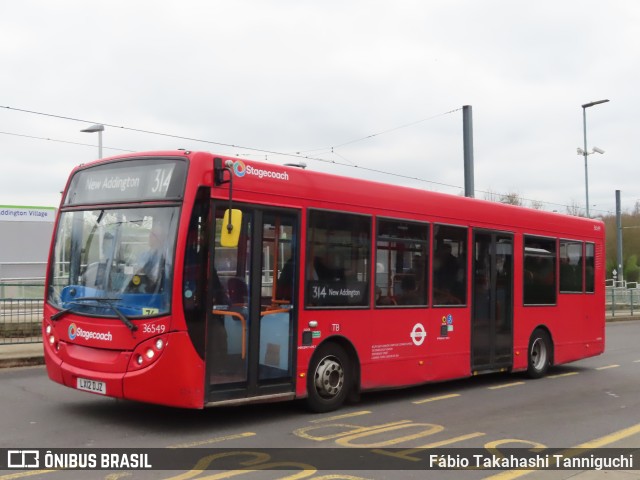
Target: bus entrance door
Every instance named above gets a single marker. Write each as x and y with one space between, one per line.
492 315
251 325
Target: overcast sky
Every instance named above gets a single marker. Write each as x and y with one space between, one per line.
305 76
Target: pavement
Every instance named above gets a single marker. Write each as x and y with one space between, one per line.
21 354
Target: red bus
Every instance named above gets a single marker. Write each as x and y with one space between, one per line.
187 279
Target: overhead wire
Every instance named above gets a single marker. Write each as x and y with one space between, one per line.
34 137
266 152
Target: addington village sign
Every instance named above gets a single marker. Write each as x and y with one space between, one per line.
12 213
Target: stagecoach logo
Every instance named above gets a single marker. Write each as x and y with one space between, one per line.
88 334
240 169
418 334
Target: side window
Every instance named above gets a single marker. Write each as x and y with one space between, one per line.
539 271
196 261
338 259
401 263
449 265
590 266
571 264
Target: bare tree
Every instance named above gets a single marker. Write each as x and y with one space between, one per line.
491 196
575 209
511 198
536 205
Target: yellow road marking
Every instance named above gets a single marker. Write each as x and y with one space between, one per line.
636 361
589 445
607 367
506 385
407 452
211 440
340 417
435 399
560 375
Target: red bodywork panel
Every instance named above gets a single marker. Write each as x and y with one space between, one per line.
384 340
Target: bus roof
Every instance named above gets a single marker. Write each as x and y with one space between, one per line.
297 187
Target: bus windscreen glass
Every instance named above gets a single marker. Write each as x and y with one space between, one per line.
122 258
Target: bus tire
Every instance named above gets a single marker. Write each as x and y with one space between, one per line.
329 378
539 354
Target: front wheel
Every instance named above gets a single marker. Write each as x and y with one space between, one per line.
329 379
539 354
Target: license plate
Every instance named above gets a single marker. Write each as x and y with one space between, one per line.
92 386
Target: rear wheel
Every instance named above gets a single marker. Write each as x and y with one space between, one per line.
539 354
329 379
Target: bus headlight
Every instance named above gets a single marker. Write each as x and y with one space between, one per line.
147 352
49 335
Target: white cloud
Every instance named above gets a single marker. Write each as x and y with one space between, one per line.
297 75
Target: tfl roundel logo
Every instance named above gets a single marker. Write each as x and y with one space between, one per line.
239 168
72 331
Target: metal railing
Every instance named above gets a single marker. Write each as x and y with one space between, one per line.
623 301
20 320
21 304
21 309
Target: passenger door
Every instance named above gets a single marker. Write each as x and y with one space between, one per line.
250 334
492 304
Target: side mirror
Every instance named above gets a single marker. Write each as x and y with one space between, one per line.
231 225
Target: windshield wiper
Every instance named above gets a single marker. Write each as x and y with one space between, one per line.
61 313
106 300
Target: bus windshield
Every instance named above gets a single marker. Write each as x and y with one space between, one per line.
108 262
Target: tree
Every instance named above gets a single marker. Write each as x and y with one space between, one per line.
511 198
574 209
631 269
630 244
536 205
491 196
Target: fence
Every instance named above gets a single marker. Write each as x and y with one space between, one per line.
21 309
21 305
623 301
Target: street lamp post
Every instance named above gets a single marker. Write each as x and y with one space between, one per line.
98 127
584 152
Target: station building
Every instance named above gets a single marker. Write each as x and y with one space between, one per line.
25 238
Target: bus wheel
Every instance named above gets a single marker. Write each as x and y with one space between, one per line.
329 378
539 354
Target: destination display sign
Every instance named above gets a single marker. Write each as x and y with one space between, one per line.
324 294
128 180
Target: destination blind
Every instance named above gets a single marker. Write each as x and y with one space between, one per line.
129 180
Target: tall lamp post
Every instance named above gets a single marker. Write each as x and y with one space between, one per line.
584 152
98 127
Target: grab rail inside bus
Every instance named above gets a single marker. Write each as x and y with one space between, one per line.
277 310
243 323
